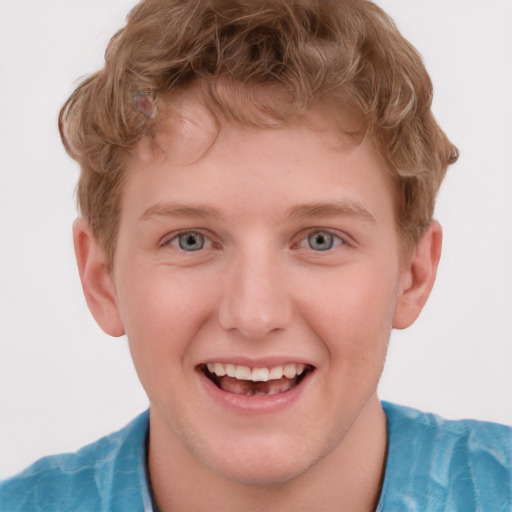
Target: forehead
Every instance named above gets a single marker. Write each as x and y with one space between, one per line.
232 170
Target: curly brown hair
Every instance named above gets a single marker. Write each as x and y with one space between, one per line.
345 52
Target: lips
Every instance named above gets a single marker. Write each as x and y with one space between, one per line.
244 380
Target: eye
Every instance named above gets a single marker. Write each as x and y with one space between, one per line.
321 240
189 241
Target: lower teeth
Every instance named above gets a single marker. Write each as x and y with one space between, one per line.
250 388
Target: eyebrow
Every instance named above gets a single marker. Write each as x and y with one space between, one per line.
180 210
342 208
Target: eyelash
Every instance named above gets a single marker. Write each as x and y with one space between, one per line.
303 243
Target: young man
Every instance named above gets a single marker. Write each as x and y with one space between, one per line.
257 190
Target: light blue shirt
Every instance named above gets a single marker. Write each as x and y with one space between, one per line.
432 465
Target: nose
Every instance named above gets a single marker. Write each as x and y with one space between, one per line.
255 302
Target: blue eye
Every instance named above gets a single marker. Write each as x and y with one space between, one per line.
191 241
323 241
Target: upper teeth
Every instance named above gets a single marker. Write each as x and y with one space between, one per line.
240 372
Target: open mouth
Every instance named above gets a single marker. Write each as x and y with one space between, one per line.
243 380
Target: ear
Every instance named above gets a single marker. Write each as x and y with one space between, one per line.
97 281
418 276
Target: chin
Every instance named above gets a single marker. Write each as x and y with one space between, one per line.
262 466
264 475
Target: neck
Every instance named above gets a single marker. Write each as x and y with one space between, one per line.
348 477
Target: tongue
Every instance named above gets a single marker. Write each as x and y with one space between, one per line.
249 388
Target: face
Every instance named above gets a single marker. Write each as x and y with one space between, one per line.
257 281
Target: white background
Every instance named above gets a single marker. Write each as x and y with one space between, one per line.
64 383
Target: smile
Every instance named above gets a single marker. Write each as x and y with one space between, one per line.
243 380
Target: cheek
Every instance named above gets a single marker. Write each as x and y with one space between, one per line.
162 300
162 313
352 311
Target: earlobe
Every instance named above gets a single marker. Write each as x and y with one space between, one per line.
418 277
96 277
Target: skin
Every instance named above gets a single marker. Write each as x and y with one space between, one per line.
259 294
